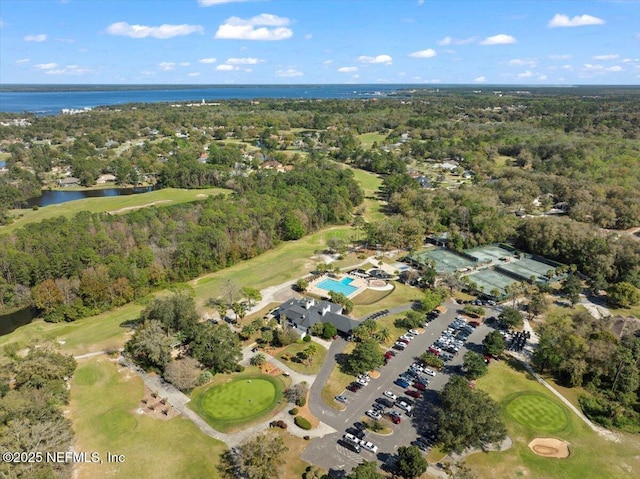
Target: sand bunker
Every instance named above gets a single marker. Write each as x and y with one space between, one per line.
549 447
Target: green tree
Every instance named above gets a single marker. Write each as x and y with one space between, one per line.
150 346
259 458
342 300
431 299
411 463
411 320
365 330
494 343
468 417
365 470
239 309
176 312
253 295
431 360
328 331
216 346
572 287
474 365
623 295
511 317
302 285
366 356
258 360
537 305
47 296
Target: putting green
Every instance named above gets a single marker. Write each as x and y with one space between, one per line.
238 401
537 412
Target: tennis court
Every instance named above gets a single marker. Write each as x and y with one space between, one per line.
526 268
489 254
447 261
488 279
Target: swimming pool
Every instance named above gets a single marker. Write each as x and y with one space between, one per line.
343 286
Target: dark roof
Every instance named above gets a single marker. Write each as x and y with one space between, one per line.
296 311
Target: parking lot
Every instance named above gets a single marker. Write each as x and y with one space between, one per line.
328 453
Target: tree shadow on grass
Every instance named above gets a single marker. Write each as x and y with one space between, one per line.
519 367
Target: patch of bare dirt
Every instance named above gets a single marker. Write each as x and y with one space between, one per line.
155 406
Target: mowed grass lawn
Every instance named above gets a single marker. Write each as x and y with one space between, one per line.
402 294
240 401
103 409
115 204
526 406
313 365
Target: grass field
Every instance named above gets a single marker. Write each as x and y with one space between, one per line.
313 367
103 410
367 139
401 294
115 204
370 296
242 400
591 455
537 412
337 383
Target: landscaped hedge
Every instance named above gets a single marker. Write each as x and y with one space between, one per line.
293 411
302 423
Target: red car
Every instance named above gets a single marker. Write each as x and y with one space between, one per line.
395 419
474 324
354 387
414 394
405 341
435 351
419 386
388 355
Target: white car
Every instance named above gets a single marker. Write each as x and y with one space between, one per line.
351 438
373 414
362 382
369 446
414 332
404 406
390 395
408 337
430 372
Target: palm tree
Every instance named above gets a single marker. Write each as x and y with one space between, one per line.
383 334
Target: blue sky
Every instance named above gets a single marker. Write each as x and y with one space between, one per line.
541 42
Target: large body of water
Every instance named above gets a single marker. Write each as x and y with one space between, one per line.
54 197
51 100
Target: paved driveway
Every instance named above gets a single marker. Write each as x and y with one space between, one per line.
327 453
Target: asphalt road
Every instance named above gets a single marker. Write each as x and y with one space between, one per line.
327 453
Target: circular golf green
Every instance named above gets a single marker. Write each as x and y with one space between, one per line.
238 401
537 412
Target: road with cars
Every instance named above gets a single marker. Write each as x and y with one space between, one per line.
332 452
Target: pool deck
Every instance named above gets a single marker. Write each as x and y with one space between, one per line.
358 283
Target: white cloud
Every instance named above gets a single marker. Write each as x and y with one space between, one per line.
167 66
236 28
386 59
46 66
428 53
528 62
500 39
69 70
446 41
243 61
420 2
560 57
526 74
142 31
542 77
22 61
327 62
185 64
289 72
308 36
615 68
567 67
194 74
207 60
347 69
606 57
355 77
36 38
209 3
226 68
559 21
480 79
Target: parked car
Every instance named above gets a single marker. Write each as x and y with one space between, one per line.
403 340
401 382
413 393
429 372
419 386
373 414
414 332
390 395
369 446
351 438
354 387
350 445
362 382
341 398
359 433
388 355
385 402
404 406
400 346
